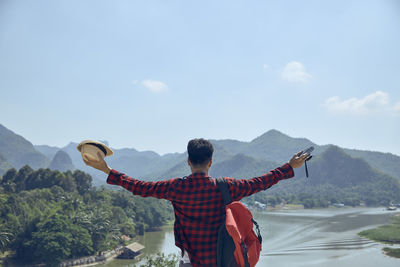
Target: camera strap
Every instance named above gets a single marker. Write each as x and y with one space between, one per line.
305 164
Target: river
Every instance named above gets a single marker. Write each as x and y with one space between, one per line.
316 237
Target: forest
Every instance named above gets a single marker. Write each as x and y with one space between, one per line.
49 216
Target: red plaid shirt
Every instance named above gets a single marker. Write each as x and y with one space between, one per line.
198 206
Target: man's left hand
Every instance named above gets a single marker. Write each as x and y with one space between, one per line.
298 159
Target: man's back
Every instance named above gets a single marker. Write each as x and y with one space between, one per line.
199 213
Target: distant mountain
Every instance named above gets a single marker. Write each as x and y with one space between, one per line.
135 162
74 154
337 174
276 146
332 170
48 151
242 166
272 145
4 165
180 169
232 146
177 165
62 162
19 152
236 166
385 162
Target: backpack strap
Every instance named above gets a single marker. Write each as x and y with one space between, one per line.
223 187
258 230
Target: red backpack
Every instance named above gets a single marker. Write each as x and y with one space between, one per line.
238 245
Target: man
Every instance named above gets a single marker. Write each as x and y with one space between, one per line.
197 201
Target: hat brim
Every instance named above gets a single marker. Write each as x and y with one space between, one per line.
108 150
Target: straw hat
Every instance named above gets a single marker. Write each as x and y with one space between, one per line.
90 148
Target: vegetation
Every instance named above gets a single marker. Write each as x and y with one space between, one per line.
50 216
389 234
386 162
161 260
392 252
4 165
336 177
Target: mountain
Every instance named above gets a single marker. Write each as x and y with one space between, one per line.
225 165
135 162
385 162
4 165
19 152
62 162
335 174
177 165
232 146
279 147
48 151
74 154
272 145
276 146
242 166
333 170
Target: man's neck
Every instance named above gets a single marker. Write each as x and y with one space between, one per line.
205 171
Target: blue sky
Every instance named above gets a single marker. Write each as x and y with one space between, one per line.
154 74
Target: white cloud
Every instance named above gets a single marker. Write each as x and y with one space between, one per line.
155 86
266 67
295 72
378 101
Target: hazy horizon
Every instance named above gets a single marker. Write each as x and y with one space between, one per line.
184 149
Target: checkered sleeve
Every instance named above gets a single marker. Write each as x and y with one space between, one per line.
240 188
158 189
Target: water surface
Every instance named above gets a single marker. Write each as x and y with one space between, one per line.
321 237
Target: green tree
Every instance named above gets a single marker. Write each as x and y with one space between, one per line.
83 181
53 222
308 203
160 260
9 176
5 238
68 182
55 240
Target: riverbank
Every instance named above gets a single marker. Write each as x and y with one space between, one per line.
387 234
298 238
285 207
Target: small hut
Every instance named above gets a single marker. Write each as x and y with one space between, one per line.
131 251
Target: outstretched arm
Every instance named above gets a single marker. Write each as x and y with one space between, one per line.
137 187
240 188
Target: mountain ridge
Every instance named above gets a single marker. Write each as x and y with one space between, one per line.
272 146
18 151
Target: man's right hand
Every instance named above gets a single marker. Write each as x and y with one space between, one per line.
298 159
99 164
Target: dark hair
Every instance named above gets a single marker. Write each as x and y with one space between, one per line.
200 151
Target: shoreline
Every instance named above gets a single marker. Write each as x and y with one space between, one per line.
284 207
388 234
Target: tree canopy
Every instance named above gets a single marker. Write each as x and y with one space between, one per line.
50 216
